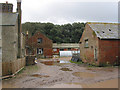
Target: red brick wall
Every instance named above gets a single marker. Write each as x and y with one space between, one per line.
73 49
46 42
65 49
109 50
47 52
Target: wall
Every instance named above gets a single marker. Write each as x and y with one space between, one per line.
10 63
12 67
109 51
87 53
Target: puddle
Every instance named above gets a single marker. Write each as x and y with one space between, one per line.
50 62
84 74
65 69
54 62
39 75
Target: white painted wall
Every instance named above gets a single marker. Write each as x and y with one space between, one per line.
65 53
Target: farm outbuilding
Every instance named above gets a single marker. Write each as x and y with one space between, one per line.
65 49
100 44
11 40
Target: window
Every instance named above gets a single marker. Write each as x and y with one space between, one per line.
69 49
95 54
29 51
39 51
80 42
86 43
61 49
39 40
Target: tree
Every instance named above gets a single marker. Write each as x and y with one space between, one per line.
67 33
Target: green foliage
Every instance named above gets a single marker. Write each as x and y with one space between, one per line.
67 33
94 33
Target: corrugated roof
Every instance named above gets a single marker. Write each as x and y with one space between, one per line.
106 30
9 19
66 45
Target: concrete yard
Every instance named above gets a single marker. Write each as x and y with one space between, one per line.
64 75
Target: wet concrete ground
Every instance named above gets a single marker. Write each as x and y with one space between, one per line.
63 75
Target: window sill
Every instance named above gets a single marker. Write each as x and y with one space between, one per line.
86 47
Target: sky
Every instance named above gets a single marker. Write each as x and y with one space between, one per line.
68 11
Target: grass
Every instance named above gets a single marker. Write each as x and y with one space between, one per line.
28 69
94 65
21 71
89 65
76 62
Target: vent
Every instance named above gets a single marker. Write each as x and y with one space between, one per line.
110 30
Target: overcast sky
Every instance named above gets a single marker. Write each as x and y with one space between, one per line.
68 11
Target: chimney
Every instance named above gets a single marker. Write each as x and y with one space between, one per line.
19 5
19 11
26 37
6 2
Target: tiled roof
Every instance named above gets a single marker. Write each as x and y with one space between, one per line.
106 30
8 19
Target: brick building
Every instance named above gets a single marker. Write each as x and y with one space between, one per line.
99 44
12 42
39 45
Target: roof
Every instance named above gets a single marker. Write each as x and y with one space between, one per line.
9 19
105 30
66 45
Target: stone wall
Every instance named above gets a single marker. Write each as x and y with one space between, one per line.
9 43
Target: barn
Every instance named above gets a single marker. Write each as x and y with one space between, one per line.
100 44
39 45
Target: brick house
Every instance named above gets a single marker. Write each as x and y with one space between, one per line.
39 45
99 44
